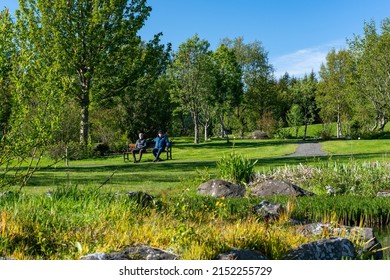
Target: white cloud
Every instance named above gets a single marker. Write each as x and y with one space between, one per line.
303 61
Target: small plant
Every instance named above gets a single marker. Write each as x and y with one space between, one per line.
236 168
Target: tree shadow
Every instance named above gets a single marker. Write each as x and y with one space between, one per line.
169 171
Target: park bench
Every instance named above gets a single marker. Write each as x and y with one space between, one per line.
149 148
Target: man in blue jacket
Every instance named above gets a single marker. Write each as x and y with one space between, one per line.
161 142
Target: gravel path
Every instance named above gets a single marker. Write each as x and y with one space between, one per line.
307 150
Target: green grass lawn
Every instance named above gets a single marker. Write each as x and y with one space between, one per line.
376 148
189 160
113 174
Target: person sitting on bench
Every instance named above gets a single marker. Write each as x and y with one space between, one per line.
161 142
140 147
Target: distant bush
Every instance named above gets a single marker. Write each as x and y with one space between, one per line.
72 150
57 151
283 133
259 134
102 149
376 135
326 131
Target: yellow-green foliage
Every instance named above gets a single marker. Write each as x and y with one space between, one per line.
70 224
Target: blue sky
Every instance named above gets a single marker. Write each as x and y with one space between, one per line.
297 34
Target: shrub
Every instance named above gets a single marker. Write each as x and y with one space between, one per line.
283 133
102 149
57 151
73 149
259 134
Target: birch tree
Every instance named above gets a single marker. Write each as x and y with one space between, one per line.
193 79
371 54
332 95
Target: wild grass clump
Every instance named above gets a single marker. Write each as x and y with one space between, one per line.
236 168
337 178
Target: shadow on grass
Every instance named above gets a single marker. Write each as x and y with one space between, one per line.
171 171
121 174
238 144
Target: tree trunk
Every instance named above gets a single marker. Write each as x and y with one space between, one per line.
196 128
221 120
224 133
84 125
243 124
382 124
84 104
339 134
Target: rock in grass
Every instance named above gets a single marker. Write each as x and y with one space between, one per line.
241 254
141 197
277 187
221 188
384 193
324 249
371 248
137 252
268 210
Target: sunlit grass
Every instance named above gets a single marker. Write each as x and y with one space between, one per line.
352 147
83 215
71 223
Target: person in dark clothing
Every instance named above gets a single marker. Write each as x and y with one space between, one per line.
161 142
140 147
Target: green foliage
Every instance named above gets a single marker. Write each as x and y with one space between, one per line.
144 106
193 80
72 151
34 120
295 118
304 91
93 46
229 88
334 91
236 168
371 84
258 84
7 48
